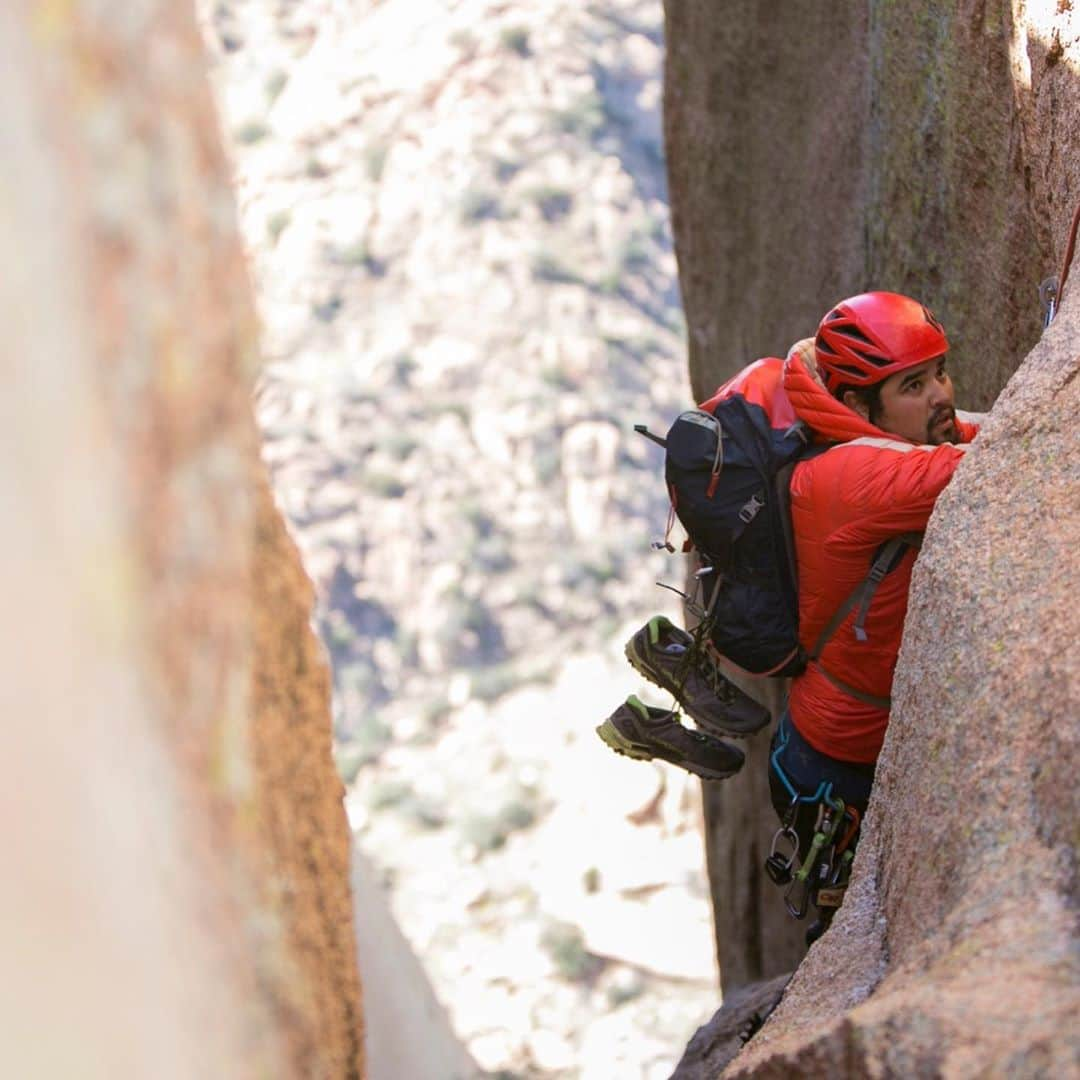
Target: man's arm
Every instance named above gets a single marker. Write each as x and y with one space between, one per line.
968 424
894 484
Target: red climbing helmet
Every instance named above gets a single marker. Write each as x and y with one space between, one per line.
869 337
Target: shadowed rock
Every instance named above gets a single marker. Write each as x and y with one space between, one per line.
715 1044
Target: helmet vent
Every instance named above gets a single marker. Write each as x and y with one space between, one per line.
854 332
865 355
854 372
822 346
877 361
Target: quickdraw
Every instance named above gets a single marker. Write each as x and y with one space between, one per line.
817 868
1051 289
820 875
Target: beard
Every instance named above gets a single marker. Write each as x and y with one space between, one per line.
941 427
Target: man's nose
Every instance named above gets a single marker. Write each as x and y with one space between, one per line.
940 392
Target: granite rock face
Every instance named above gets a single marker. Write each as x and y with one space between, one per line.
816 151
176 831
956 951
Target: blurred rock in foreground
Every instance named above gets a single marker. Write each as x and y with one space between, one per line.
175 856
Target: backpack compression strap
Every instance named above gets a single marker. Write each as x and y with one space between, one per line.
860 597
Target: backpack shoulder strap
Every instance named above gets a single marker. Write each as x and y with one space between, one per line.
860 597
782 487
782 490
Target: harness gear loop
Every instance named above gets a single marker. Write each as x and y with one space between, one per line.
816 871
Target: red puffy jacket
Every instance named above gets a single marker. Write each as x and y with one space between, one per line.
845 504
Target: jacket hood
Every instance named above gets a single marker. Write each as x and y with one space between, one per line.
815 406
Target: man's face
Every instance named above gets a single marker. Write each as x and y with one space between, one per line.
917 405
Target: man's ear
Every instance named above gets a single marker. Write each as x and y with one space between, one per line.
853 402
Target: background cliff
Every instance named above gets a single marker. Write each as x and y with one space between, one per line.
816 152
176 852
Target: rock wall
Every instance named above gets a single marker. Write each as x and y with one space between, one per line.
175 824
303 838
815 152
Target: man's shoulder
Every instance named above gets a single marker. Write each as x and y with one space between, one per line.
848 468
885 447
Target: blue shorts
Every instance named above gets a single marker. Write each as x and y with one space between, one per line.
796 768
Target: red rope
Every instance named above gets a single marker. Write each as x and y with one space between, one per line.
1066 262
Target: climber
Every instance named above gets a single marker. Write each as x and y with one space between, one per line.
880 371
874 381
873 385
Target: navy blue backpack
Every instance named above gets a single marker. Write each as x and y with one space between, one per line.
728 471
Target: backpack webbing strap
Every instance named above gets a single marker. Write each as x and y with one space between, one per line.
858 695
861 596
641 429
884 562
783 501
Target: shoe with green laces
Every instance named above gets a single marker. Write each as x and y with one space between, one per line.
664 654
643 732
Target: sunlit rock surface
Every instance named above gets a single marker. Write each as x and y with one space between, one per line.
176 899
920 147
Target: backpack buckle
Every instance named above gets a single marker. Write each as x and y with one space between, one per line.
753 506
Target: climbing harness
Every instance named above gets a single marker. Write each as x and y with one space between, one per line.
817 868
820 875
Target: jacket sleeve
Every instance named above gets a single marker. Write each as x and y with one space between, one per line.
968 424
893 485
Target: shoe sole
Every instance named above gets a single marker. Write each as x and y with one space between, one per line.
661 680
613 738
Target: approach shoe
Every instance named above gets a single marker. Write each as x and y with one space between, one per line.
643 732
665 655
